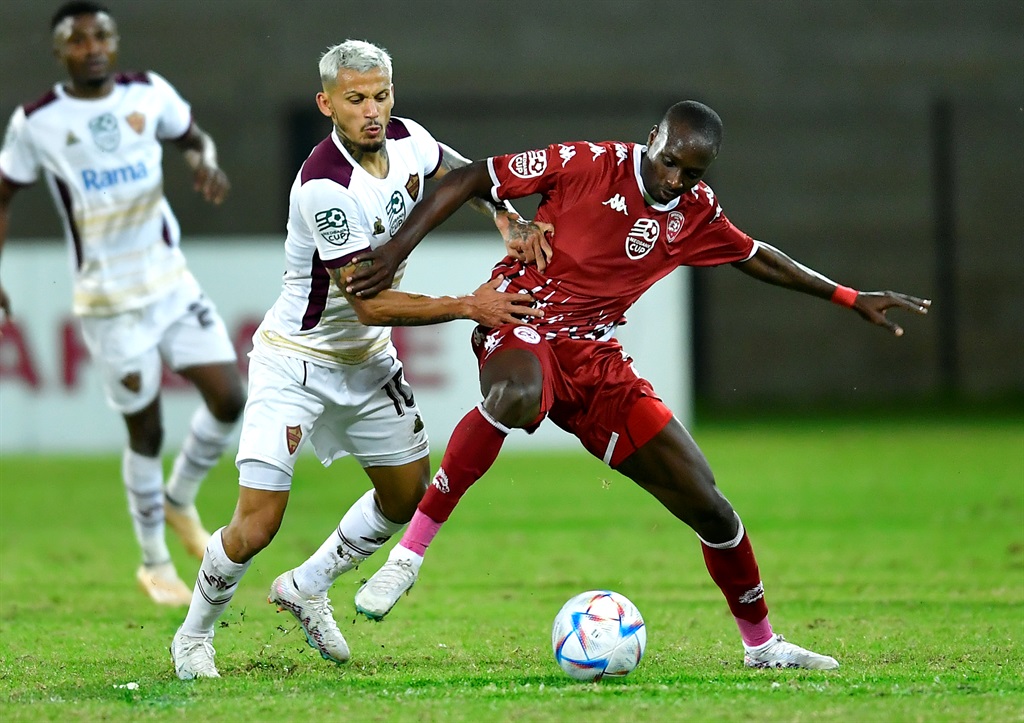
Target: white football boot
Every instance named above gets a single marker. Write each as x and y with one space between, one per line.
162 584
380 593
315 615
193 656
187 526
778 653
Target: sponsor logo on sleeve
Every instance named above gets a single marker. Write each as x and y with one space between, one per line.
529 164
621 153
105 132
332 225
674 226
565 153
642 237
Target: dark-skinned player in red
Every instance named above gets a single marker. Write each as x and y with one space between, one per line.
624 216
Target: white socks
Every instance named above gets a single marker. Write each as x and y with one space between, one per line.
143 482
215 586
361 532
206 441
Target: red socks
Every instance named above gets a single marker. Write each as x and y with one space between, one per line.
734 570
472 449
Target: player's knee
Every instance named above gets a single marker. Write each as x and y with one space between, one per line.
250 536
513 403
228 408
713 518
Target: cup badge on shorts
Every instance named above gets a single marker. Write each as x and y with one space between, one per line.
293 435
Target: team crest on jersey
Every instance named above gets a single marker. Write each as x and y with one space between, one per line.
529 164
105 132
396 212
642 237
378 227
71 140
136 121
332 225
293 435
412 186
674 226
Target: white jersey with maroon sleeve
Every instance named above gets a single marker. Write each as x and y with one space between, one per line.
337 209
612 241
102 160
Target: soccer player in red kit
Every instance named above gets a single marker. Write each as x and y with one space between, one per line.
625 215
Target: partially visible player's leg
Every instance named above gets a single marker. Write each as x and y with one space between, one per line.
124 350
672 468
513 385
262 498
198 347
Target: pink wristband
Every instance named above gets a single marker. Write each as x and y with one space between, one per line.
844 295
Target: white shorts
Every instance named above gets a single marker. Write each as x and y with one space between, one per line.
367 411
183 329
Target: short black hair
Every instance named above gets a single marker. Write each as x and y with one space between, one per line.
699 118
76 7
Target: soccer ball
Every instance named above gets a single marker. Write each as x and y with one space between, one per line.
598 634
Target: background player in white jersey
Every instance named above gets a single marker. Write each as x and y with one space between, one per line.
96 139
323 366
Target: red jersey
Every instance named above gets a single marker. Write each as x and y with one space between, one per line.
612 241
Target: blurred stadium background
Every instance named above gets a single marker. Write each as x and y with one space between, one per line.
881 143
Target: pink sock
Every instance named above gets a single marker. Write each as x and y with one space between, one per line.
754 634
420 533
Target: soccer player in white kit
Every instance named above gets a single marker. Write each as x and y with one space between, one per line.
96 140
323 367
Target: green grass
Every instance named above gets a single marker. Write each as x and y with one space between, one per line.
896 546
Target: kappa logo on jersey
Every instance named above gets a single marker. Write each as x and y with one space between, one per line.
674 226
527 334
621 153
99 180
292 436
412 186
617 203
332 225
598 151
396 212
105 132
566 153
642 237
136 121
529 164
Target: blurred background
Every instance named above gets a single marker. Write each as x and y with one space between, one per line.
881 143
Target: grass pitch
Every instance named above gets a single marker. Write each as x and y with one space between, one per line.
897 547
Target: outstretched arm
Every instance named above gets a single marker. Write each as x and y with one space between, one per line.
772 266
457 187
201 156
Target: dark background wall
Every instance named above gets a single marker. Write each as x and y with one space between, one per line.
839 115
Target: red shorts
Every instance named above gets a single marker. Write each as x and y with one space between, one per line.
590 389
